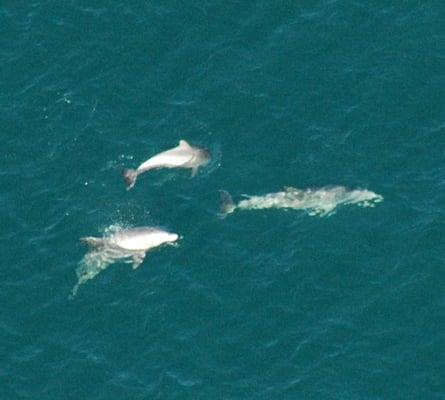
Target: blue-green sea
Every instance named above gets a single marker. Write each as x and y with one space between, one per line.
263 304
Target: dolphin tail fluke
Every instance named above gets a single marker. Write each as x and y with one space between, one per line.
130 176
73 293
226 204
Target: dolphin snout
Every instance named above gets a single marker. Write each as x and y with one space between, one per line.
174 237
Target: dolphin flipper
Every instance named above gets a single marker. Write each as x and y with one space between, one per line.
194 172
138 259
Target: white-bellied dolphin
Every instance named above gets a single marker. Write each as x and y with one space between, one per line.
320 202
127 245
181 156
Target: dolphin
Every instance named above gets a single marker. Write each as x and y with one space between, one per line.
128 245
181 156
321 202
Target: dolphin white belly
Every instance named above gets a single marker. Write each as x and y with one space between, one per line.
142 238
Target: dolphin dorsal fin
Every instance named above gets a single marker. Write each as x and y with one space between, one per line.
184 144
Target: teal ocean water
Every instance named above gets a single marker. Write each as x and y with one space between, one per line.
264 304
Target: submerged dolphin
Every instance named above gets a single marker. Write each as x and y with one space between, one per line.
128 245
320 202
181 156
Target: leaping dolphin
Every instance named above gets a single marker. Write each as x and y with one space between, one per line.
128 245
320 202
181 156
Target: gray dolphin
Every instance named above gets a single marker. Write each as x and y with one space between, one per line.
320 202
181 156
